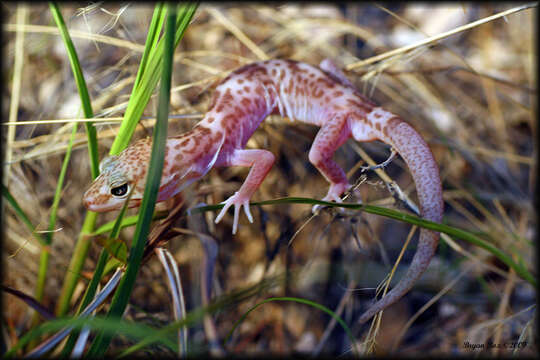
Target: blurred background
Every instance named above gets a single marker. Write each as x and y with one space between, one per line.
472 96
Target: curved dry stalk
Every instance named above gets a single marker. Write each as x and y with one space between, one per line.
210 251
81 343
177 292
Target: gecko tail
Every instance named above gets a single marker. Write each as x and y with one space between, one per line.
425 173
425 251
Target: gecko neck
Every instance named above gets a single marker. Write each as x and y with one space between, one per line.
193 153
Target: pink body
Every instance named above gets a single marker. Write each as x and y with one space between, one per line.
319 96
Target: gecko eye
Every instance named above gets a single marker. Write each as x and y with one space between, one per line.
120 191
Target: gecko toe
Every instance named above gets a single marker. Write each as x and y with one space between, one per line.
236 216
248 211
223 211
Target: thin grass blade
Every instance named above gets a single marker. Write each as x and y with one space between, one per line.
126 222
81 86
135 331
151 40
301 301
518 267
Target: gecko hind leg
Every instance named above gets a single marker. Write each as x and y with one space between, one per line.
329 138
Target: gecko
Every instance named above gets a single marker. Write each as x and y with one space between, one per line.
322 96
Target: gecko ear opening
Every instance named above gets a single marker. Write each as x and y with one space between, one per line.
120 191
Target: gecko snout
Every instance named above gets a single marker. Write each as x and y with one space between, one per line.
87 202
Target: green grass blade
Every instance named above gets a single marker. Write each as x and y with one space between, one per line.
411 219
145 82
185 14
105 228
130 329
148 81
81 86
121 296
45 251
151 40
83 243
60 184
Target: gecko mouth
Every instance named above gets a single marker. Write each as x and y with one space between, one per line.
94 205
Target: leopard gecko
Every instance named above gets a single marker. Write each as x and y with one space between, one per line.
321 96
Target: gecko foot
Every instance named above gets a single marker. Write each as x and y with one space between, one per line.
238 201
334 194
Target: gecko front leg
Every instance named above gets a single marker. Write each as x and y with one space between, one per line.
260 162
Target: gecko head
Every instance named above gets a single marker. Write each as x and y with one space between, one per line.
111 188
119 176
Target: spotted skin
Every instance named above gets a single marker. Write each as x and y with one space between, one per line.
321 96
